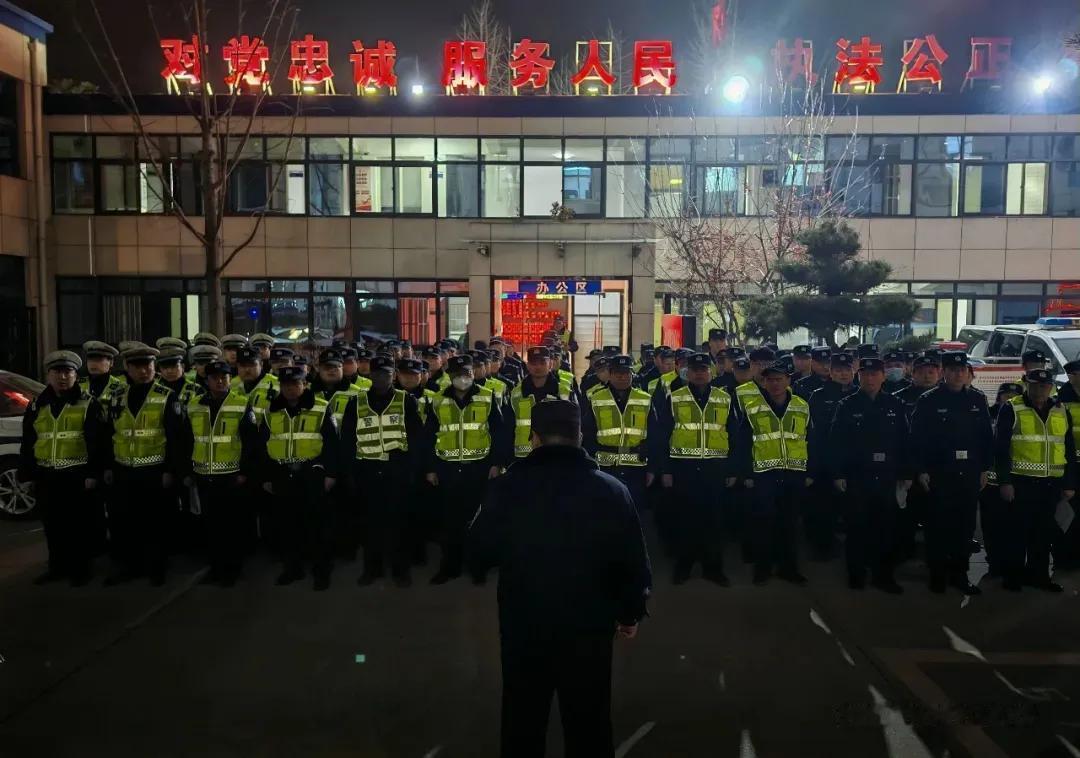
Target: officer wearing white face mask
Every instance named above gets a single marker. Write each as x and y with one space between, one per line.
896 378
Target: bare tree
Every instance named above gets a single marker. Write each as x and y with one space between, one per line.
482 25
224 123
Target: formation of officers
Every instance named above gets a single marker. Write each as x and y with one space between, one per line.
383 448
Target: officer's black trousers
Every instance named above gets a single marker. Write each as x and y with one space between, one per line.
634 479
384 506
228 522
578 669
304 514
139 519
820 514
950 521
698 518
1029 529
992 520
774 516
461 489
68 516
871 517
347 517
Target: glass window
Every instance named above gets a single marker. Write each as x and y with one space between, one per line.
152 188
376 317
284 148
289 285
1021 288
753 149
73 187
984 189
239 147
328 189
500 148
578 149
371 148
924 322
1029 147
890 189
543 150
374 189
625 191
248 187
714 149
79 318
937 189
852 186
1065 189
626 149
984 147
248 315
287 193
892 148
543 187
977 288
931 288
582 189
459 190
667 190
374 286
939 147
669 148
1067 147
248 285
1018 312
118 188
458 287
188 187
414 149
161 147
1026 189
412 189
72 146
802 147
328 286
502 191
331 319
847 148
190 147
289 318
116 147
762 185
416 288
722 188
329 148
457 148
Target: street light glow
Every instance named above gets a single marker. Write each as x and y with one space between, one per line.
1042 84
735 89
418 89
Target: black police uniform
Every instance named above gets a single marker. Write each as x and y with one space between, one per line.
823 500
867 448
952 441
914 514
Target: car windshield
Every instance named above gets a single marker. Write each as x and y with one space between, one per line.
16 392
1069 347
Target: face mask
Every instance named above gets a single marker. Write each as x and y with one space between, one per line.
894 374
683 373
462 383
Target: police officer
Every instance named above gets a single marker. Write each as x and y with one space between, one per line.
644 361
803 360
952 452
867 451
280 357
199 356
925 375
603 375
421 520
263 343
61 453
588 381
615 425
481 364
991 507
1067 551
666 371
230 344
331 385
438 378
298 447
382 442
717 343
206 338
220 454
144 420
170 367
820 366
1035 462
99 382
250 381
691 448
896 378
540 384
773 450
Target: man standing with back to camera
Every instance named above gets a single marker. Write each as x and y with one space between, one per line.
573 574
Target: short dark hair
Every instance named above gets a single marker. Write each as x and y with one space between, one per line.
557 422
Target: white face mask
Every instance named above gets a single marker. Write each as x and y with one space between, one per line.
463 383
894 374
683 373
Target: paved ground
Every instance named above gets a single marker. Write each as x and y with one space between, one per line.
777 671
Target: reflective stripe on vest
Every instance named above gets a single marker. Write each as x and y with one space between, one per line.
296 439
697 434
463 433
779 443
217 448
379 434
523 405
621 431
1037 448
140 440
361 383
1074 413
339 400
61 442
114 385
261 394
665 379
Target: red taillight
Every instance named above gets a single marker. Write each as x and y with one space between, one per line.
17 398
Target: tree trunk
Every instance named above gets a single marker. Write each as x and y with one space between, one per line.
214 244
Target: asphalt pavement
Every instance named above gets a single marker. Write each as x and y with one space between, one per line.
258 670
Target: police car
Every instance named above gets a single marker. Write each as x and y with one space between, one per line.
16 393
1000 348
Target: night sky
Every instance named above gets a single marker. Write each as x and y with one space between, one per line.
418 27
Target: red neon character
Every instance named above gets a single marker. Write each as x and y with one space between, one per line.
719 22
990 56
918 66
593 68
530 65
373 68
795 64
465 67
310 65
182 63
654 62
247 58
858 65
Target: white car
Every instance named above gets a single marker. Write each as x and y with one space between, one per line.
16 393
1001 347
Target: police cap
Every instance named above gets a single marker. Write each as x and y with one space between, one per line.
410 366
164 342
604 361
538 352
801 351
895 356
234 341
363 354
1033 356
777 367
137 352
871 364
734 353
331 356
291 373
821 353
841 360
1039 376
247 355
867 350
954 358
717 334
261 339
98 349
699 360
595 353
1014 387
203 353
646 346
458 363
478 356
169 355
382 363
281 353
611 350
742 363
620 363
926 360
663 352
683 353
762 354
431 352
63 359
300 360
217 367
480 345
206 338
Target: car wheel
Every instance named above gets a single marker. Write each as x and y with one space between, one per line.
16 497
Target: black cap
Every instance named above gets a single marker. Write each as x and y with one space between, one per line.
347 353
480 345
683 353
478 356
954 358
1072 367
602 362
664 352
871 364
246 355
734 352
926 360
410 366
867 350
217 367
300 360
895 356
611 350
646 346
1014 387
556 417
431 352
802 351
281 353
777 367
840 360
620 362
363 354
742 362
762 354
63 359
291 374
717 334
538 352
1033 356
699 360
1039 376
331 356
458 363
382 363
821 353
595 353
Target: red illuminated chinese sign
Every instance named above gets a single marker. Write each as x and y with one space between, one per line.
246 58
922 65
530 65
990 56
654 63
465 67
310 67
592 71
183 64
373 67
859 65
795 64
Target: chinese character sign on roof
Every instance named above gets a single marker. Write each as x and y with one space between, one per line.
594 67
530 65
922 61
654 63
373 67
465 67
183 64
246 58
859 63
310 69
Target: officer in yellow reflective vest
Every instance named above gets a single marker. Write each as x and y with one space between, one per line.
280 357
485 382
717 346
615 427
298 456
202 340
422 518
438 377
362 380
262 343
99 382
601 375
144 420
250 381
470 447
774 452
330 385
691 449
382 440
170 366
217 457
61 454
1035 461
1067 550
198 357
230 344
665 372
539 384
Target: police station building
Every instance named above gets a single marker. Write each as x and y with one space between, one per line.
429 213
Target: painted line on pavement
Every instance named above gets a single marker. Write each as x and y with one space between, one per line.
960 645
633 739
746 745
900 738
1073 750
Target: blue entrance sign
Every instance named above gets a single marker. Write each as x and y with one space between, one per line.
560 286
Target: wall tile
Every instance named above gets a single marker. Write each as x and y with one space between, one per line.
249 262
14 200
414 263
986 124
328 232
374 263
941 124
329 262
1032 123
237 228
886 125
71 260
159 260
15 234
1065 264
115 230
514 259
371 232
982 264
498 126
1066 233
455 125
584 127
192 261
938 233
1027 264
983 233
890 234
286 231
158 230
452 264
543 127
331 125
370 125
414 233
902 262
1029 233
937 264
423 125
